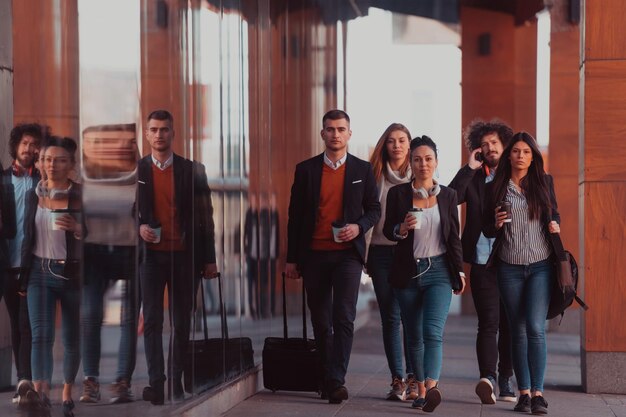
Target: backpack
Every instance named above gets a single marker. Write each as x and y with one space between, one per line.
565 282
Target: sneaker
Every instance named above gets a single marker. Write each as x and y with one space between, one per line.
485 390
432 399
121 392
506 389
91 390
411 389
20 393
538 405
396 393
418 403
523 404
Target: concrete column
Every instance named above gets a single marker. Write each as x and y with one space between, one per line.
6 122
602 195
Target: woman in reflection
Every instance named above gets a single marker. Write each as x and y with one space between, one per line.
51 264
391 165
522 251
427 263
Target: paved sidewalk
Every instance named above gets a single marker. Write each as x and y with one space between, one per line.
368 380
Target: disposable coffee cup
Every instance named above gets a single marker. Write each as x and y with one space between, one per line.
337 226
56 214
417 214
156 229
506 207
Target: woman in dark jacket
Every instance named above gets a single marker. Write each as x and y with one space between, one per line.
51 254
522 252
427 266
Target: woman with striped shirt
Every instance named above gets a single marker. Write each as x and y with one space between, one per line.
522 252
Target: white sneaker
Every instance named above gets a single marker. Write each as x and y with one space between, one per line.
485 391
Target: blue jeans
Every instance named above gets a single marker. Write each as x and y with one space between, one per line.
44 290
424 306
102 267
525 292
378 266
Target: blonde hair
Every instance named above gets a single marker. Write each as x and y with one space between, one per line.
380 157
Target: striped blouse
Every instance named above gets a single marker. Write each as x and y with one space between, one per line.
525 241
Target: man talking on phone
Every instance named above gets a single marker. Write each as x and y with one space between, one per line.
486 142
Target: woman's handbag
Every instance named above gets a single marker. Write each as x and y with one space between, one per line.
565 283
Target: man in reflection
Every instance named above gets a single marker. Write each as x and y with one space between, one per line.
22 176
261 246
177 235
110 157
331 187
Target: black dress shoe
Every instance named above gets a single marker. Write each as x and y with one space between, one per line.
154 395
337 395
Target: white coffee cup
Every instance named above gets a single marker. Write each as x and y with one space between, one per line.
337 228
54 216
417 214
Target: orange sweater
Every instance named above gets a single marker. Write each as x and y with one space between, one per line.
165 211
330 209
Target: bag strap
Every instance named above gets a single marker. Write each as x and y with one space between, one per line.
557 245
581 303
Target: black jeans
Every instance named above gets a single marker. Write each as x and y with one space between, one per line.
157 270
21 339
491 319
332 279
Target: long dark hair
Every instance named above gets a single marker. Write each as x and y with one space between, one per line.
380 156
533 185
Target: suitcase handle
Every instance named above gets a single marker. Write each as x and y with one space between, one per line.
223 321
285 331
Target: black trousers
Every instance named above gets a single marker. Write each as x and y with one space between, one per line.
332 279
21 339
158 270
494 338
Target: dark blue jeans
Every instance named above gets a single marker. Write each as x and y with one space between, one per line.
424 305
44 290
160 269
525 291
332 280
103 265
493 340
378 266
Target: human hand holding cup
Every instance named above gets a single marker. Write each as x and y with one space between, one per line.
61 219
416 214
156 230
503 214
337 226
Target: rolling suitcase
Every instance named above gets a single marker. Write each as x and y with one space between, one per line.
209 362
292 364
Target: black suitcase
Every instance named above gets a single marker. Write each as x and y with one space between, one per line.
209 362
292 364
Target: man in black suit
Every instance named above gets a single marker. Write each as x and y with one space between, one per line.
485 141
177 234
333 186
22 176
